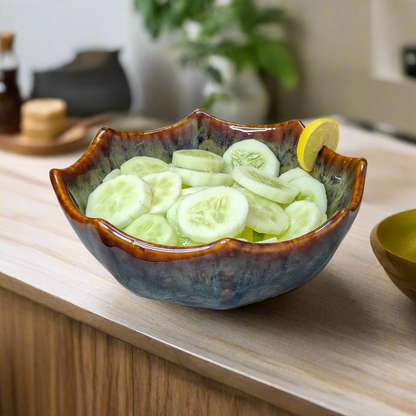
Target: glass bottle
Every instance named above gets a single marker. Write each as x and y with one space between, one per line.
10 99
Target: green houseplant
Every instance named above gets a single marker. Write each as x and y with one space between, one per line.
232 42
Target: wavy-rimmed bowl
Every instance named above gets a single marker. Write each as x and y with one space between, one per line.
394 244
227 273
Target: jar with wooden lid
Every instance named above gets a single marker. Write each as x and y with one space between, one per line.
10 99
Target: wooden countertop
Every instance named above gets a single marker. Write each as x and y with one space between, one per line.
344 343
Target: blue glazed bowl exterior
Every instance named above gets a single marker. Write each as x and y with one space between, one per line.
227 273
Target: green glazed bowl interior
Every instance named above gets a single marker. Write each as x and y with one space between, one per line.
226 273
398 234
394 243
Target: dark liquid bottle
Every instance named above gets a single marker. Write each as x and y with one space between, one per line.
10 99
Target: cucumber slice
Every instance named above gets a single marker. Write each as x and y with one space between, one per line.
324 218
166 189
197 178
257 236
193 189
120 201
304 216
113 174
312 190
269 236
251 152
264 184
172 218
268 241
246 235
265 216
143 165
293 174
213 213
152 228
197 159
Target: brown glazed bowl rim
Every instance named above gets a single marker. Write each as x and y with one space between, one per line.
138 248
375 241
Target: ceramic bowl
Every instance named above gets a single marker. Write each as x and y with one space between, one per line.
227 273
394 243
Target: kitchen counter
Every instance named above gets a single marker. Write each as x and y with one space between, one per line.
343 343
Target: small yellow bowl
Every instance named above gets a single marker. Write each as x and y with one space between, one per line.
394 243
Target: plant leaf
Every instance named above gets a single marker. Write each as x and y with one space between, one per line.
214 73
270 15
276 59
247 13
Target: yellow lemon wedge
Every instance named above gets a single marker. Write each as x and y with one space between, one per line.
323 131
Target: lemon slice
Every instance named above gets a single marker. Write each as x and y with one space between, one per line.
323 131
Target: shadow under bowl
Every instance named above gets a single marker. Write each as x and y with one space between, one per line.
227 273
394 244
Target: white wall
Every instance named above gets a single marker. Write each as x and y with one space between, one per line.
334 45
332 40
49 32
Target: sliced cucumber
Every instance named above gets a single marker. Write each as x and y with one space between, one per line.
113 174
120 200
193 189
251 152
312 190
293 174
172 218
143 165
324 218
268 241
258 236
166 189
247 235
269 236
265 216
197 178
264 184
197 159
213 213
152 228
304 216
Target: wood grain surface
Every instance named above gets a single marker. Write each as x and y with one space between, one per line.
345 342
52 365
163 388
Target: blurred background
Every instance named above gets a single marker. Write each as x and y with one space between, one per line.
250 61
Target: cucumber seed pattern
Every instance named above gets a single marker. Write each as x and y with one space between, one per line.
241 157
202 197
198 153
267 180
211 212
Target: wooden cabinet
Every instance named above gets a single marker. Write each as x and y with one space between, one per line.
52 365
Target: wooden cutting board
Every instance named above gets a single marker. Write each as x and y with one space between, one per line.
73 138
